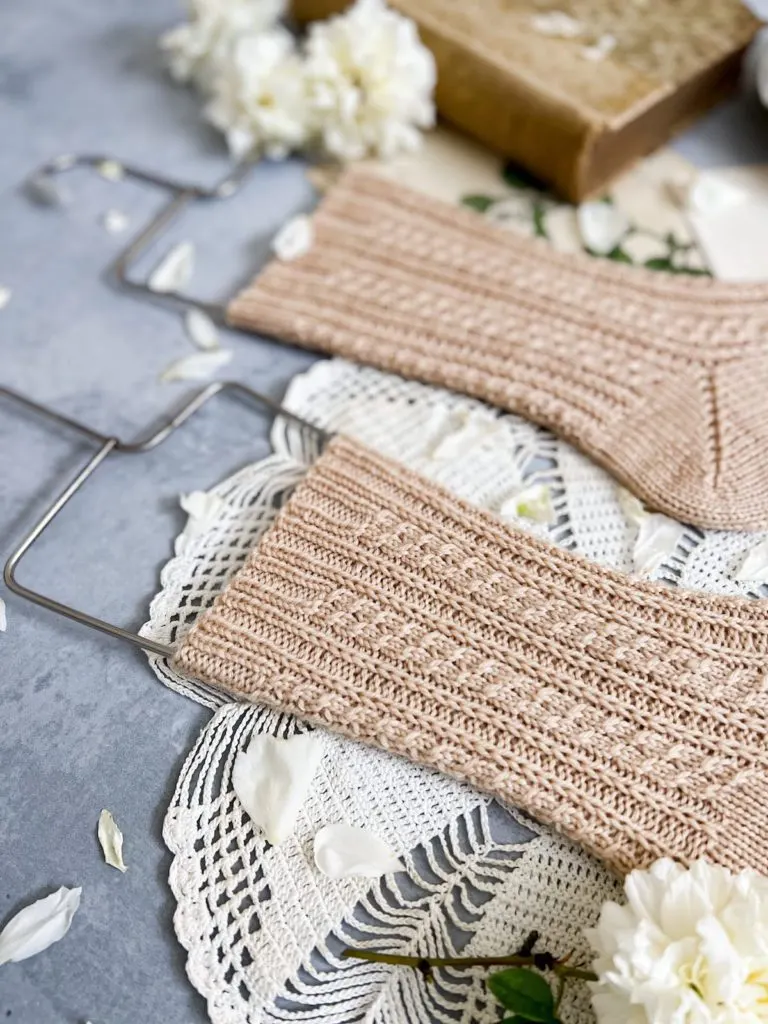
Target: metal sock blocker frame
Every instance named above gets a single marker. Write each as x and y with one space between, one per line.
109 445
181 195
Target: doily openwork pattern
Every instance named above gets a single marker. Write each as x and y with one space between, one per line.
263 929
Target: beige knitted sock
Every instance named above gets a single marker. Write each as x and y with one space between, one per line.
660 378
631 715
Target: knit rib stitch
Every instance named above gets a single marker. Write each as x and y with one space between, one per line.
630 715
660 378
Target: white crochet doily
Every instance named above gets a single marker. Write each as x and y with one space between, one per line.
264 931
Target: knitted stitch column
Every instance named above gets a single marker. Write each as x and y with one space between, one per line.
630 715
660 378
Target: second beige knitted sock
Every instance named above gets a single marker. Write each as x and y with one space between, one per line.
630 715
659 378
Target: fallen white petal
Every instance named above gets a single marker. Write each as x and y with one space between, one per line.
604 46
294 239
3 619
754 568
470 431
199 366
111 839
272 777
602 226
710 194
343 851
111 170
114 221
201 330
174 271
44 190
39 925
557 24
5 296
657 538
204 508
533 502
634 510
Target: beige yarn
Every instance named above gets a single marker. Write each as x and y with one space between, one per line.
630 715
660 378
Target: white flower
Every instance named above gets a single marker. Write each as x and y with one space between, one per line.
198 47
370 81
602 226
258 97
691 947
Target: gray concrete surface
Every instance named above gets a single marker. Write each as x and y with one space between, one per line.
83 722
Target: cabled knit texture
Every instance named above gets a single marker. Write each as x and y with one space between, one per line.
660 378
630 715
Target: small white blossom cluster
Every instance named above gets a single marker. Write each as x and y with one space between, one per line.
361 85
690 947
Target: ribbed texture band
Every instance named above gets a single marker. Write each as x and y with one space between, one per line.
630 715
660 378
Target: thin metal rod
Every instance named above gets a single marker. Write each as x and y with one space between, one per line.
51 414
111 445
9 573
182 195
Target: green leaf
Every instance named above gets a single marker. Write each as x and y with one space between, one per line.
525 993
659 263
618 255
479 203
538 221
526 1020
693 271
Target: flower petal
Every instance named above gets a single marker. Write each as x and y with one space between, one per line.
111 839
112 170
272 778
199 366
114 221
711 194
602 226
634 510
39 925
754 568
203 508
294 239
174 271
343 851
533 502
657 538
202 331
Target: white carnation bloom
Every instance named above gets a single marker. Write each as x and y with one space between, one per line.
690 947
198 47
370 82
258 97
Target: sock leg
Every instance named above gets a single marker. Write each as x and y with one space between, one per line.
629 365
632 716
